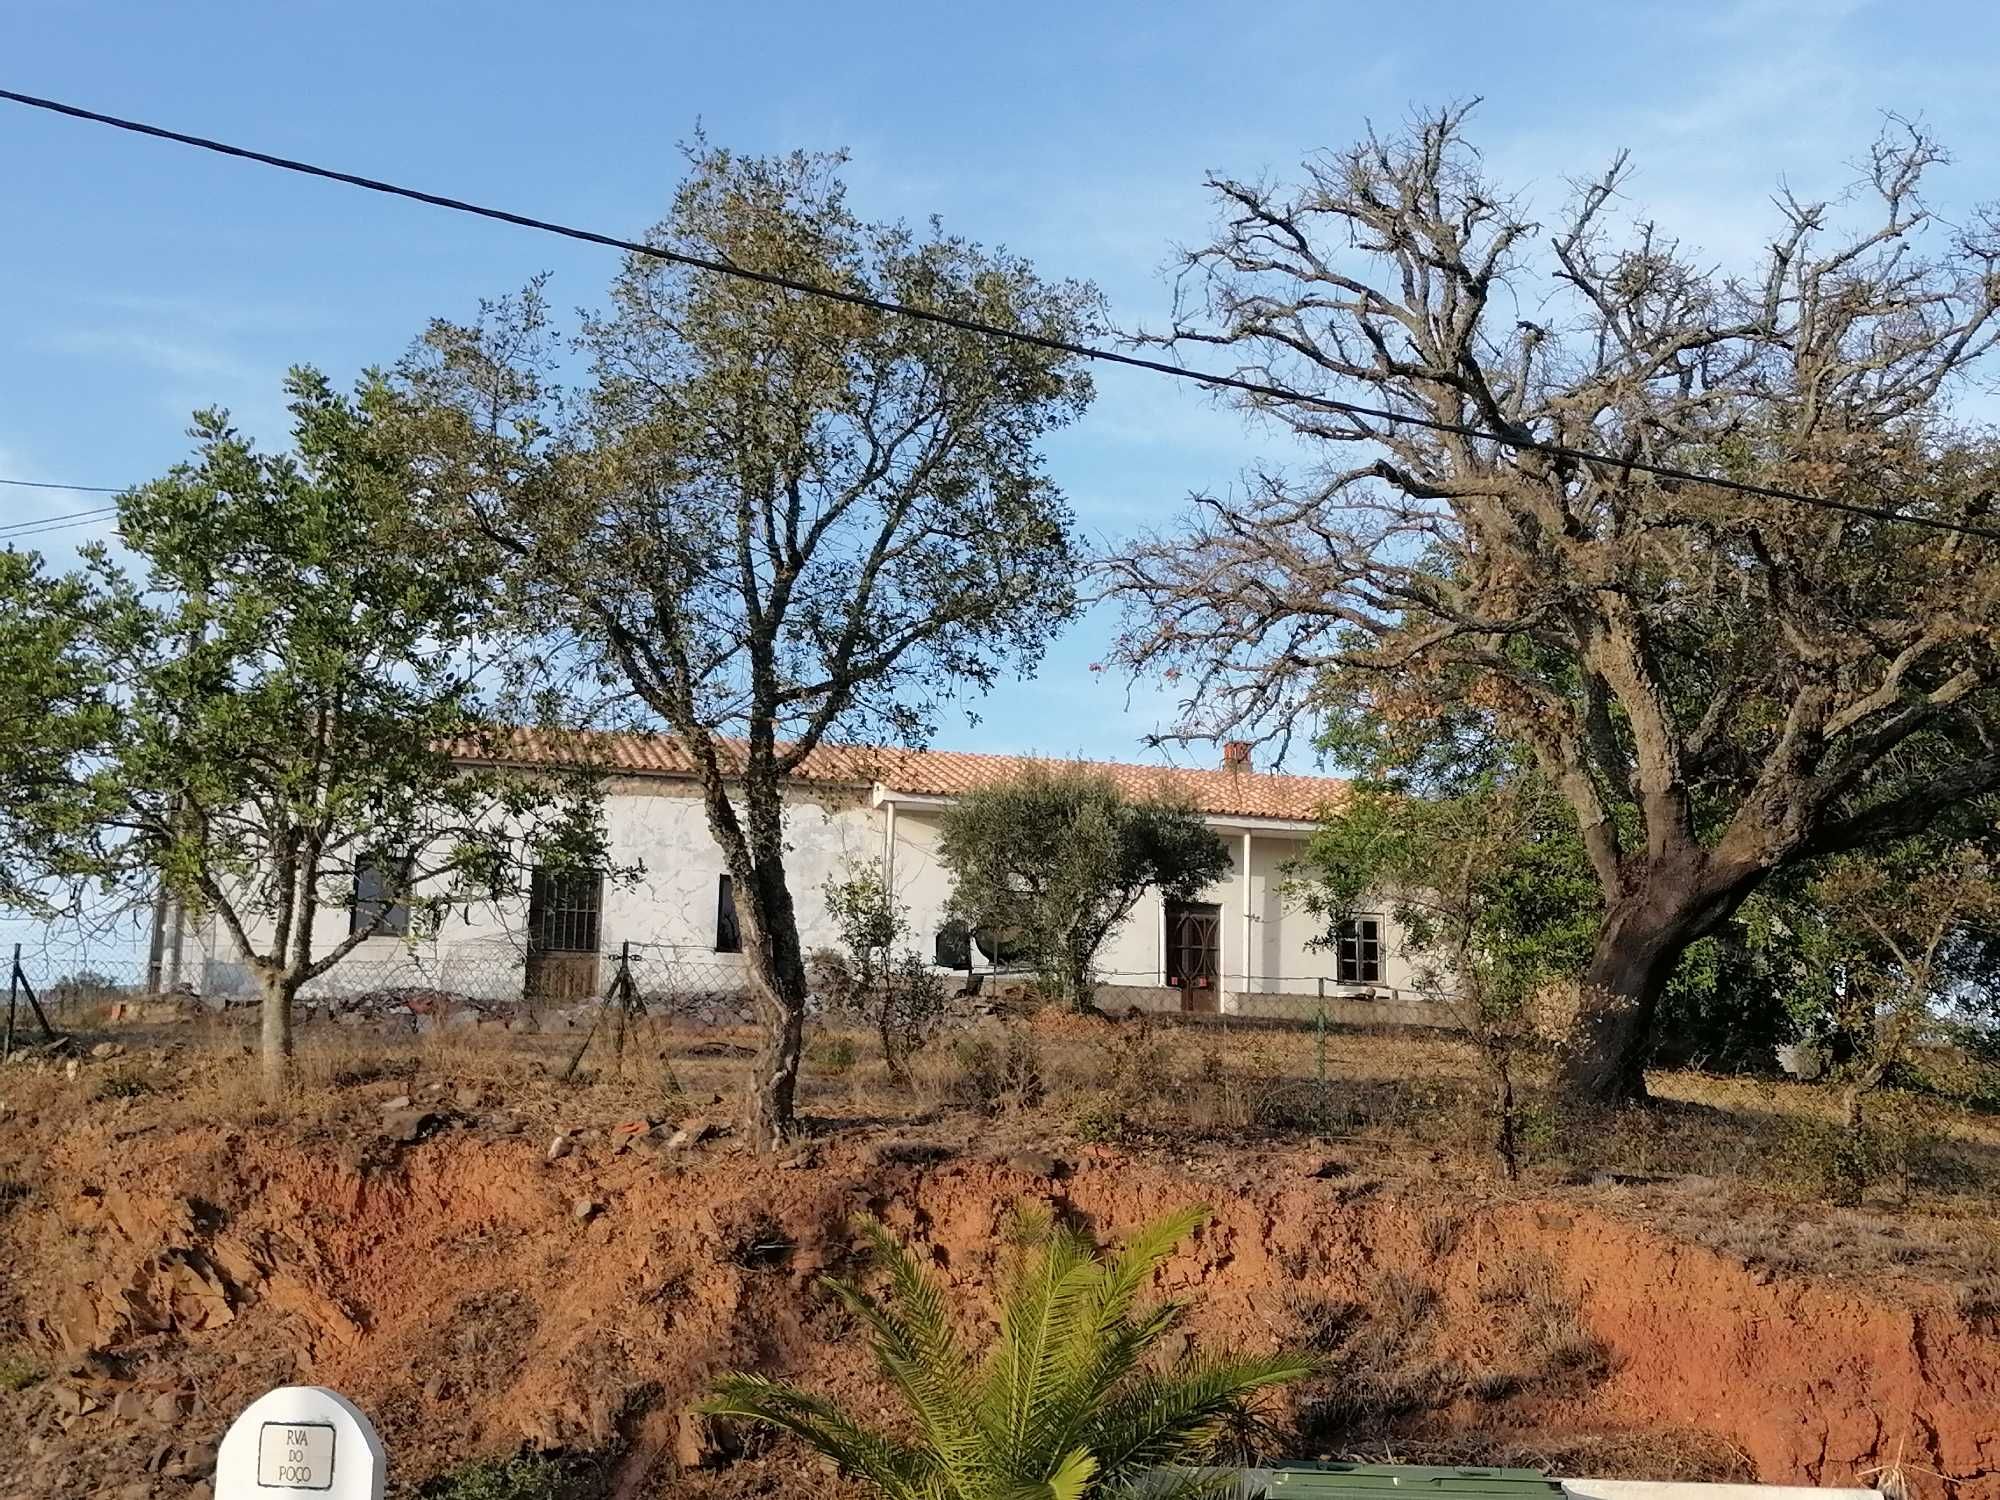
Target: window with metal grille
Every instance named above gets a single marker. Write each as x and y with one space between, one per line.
728 935
563 910
1361 951
377 879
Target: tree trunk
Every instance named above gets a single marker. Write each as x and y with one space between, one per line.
1638 948
892 1044
778 974
775 1093
275 1055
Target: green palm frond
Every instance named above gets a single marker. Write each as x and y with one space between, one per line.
896 1469
917 1349
1160 1418
1059 1407
1019 1388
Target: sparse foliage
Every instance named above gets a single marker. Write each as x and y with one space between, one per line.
1068 1400
1062 855
875 973
1494 898
1881 980
1719 684
772 520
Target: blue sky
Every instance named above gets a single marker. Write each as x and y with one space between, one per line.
140 280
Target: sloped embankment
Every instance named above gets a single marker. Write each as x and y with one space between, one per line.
473 1295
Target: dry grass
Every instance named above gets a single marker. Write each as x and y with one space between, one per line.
1714 1158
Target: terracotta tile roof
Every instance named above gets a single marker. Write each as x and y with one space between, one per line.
938 773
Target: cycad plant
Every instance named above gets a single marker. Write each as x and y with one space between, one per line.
1070 1400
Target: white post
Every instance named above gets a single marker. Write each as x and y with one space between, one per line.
1247 940
300 1440
889 850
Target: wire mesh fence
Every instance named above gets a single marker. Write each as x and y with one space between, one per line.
698 983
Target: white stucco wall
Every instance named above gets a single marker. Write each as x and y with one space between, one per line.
668 910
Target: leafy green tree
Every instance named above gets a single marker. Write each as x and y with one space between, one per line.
1062 855
1069 1400
1719 683
1494 896
55 703
875 972
772 520
297 691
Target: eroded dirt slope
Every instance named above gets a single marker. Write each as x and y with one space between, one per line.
474 1295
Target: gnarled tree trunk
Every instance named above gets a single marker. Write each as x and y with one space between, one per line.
1637 950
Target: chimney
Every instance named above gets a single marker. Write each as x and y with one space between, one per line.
1236 755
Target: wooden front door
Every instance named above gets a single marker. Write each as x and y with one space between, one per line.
563 934
1194 953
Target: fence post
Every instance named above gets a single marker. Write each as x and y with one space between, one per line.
13 989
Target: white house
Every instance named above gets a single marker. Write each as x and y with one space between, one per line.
1242 948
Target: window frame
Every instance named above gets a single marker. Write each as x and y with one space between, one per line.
1358 950
360 907
570 918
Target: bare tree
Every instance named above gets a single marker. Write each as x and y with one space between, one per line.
1718 683
769 518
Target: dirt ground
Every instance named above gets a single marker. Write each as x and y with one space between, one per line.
469 1246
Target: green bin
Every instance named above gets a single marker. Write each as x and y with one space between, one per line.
1415 1481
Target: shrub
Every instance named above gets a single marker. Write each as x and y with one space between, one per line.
530 1476
18 1372
1100 1118
833 1056
996 1077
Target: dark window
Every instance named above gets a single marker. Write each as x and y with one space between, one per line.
563 908
728 935
1361 951
377 879
954 946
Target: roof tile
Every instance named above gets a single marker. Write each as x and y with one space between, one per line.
1226 792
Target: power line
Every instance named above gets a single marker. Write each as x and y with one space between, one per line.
56 523
1213 380
82 489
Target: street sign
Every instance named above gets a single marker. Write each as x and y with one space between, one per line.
300 1440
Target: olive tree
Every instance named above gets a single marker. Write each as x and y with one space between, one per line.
1719 683
281 699
1061 855
769 519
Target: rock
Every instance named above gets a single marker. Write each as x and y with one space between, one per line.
504 1125
1328 1168
105 1050
170 1406
798 1160
561 1146
680 1140
434 1387
468 1097
584 1209
1035 1164
71 1402
907 1153
410 1125
399 1101
128 1406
